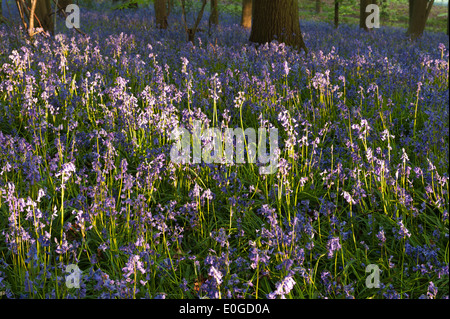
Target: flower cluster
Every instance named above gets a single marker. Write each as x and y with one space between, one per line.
86 176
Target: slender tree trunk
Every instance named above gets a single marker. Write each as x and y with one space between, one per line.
169 7
246 18
190 32
214 17
32 15
161 14
419 13
336 13
318 6
410 10
363 14
62 5
42 17
277 20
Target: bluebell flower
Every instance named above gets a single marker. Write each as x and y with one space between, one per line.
283 288
333 245
381 237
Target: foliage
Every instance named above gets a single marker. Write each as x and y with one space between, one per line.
86 177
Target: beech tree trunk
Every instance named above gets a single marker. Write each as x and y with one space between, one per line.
62 4
246 18
214 17
277 20
419 11
318 6
161 14
411 4
363 14
336 13
169 7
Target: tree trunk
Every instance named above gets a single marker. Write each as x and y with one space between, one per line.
169 7
336 13
246 18
410 10
190 32
419 11
318 6
32 17
214 17
62 5
42 17
161 14
363 14
277 20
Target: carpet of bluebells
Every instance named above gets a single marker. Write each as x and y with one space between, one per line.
86 176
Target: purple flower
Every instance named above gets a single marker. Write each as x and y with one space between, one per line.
432 291
348 198
239 99
418 171
208 194
216 274
66 172
283 288
133 265
391 293
403 232
286 68
184 62
333 245
195 191
221 237
381 237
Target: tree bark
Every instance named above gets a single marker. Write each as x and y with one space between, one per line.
169 7
318 6
246 18
277 20
363 14
410 10
214 17
62 5
418 12
32 14
161 14
190 32
336 13
42 15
